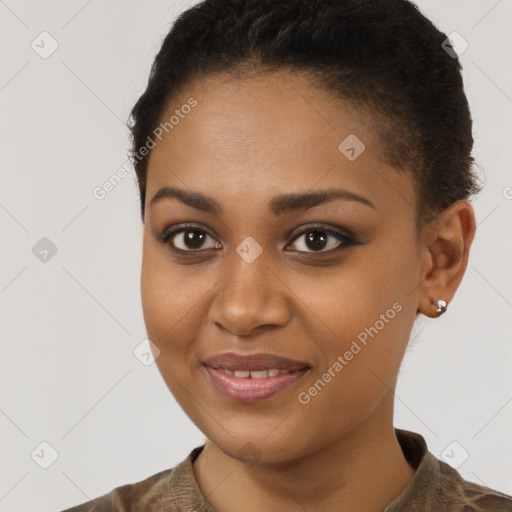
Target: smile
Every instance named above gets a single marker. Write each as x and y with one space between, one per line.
251 386
260 374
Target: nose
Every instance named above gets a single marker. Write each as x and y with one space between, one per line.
251 297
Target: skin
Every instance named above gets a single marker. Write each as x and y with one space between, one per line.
246 142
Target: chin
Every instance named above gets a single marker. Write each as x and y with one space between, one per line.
259 449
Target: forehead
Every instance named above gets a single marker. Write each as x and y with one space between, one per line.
252 138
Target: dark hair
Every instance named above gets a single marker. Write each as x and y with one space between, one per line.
382 55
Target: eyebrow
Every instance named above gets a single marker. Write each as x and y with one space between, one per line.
279 205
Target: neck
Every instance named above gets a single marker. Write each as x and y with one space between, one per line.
364 470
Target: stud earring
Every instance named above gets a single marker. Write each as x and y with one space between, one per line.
441 305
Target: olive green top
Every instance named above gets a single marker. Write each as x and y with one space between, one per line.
435 487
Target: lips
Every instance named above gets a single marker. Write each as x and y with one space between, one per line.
253 362
248 389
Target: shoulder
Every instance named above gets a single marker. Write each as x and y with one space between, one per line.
169 490
150 494
465 496
437 486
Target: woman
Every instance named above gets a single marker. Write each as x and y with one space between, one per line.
305 171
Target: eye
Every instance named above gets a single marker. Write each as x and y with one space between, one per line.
312 239
189 239
316 239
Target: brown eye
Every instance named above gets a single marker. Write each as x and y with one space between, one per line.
189 239
320 239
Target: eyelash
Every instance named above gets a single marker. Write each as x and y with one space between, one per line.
347 240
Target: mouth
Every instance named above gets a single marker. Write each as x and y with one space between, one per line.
234 362
247 386
256 374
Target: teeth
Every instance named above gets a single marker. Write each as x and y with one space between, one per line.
259 374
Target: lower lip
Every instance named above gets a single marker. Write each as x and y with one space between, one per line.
247 389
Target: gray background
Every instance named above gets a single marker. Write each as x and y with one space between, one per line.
69 326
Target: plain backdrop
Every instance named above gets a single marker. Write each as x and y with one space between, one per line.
73 395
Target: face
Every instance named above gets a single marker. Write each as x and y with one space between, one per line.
326 281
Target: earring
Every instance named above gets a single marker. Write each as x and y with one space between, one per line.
441 305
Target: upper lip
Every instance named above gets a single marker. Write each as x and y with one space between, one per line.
253 362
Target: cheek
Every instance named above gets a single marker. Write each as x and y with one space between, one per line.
363 349
367 314
175 302
168 299
168 309
355 294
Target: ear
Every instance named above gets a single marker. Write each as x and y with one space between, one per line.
445 254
